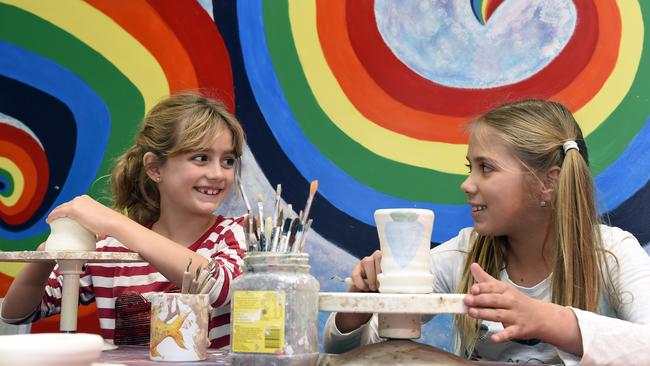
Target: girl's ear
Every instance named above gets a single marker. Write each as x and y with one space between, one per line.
152 166
550 183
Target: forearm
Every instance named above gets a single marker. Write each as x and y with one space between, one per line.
168 257
26 290
566 337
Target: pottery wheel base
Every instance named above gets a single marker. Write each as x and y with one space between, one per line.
397 352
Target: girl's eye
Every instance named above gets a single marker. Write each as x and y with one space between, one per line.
229 162
469 167
486 168
201 158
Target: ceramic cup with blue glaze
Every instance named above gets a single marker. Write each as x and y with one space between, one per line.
405 242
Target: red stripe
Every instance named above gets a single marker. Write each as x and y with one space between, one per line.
220 342
203 43
401 82
220 320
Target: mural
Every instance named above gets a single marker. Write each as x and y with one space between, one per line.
368 97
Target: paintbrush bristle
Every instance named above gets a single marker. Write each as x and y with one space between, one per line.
313 187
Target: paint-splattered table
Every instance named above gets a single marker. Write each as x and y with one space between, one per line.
71 266
139 355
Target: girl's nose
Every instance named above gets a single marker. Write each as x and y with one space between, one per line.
468 187
216 171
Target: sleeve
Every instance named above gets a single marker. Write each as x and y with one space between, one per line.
630 331
336 342
228 252
51 301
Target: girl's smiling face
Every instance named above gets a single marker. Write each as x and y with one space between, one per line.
197 182
498 185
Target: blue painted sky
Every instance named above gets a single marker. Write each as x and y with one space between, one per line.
444 42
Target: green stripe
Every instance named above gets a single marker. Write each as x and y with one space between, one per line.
611 138
10 182
122 98
388 176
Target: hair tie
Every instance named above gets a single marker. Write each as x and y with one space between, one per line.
568 145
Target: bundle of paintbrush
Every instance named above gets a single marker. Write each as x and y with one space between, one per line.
202 281
282 231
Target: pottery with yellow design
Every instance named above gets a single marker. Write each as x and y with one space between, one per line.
179 327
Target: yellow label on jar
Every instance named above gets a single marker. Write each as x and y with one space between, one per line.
258 321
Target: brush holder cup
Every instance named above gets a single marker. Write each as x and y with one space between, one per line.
274 311
179 327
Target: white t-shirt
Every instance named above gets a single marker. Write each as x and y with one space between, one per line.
626 325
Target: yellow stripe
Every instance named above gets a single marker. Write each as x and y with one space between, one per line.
103 35
618 84
445 157
19 181
11 269
484 10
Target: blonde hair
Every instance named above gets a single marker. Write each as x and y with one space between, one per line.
178 124
536 130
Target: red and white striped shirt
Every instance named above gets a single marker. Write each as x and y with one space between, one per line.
105 282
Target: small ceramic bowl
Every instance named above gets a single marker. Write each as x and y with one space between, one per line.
52 349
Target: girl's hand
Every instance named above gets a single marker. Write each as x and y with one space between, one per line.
522 317
364 274
89 213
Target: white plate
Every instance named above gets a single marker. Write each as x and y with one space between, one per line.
52 349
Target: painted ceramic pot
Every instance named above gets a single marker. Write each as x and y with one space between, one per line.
179 327
405 242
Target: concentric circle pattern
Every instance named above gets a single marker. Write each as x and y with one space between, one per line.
339 86
76 80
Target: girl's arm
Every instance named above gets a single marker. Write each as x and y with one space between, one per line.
26 290
167 256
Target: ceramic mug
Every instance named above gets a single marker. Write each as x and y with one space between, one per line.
405 242
179 327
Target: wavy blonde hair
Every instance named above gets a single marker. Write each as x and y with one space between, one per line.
178 124
536 130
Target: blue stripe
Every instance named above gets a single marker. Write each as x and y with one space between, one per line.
627 174
90 112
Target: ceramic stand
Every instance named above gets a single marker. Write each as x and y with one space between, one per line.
71 267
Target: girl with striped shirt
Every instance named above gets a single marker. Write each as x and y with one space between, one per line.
166 188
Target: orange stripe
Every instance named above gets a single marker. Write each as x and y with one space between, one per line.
26 164
145 25
589 81
371 100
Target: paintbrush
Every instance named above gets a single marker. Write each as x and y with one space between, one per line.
301 244
260 232
293 230
276 205
244 197
284 240
187 278
312 192
268 229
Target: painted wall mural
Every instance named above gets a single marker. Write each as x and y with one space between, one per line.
368 97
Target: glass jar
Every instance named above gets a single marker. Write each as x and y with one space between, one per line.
274 311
